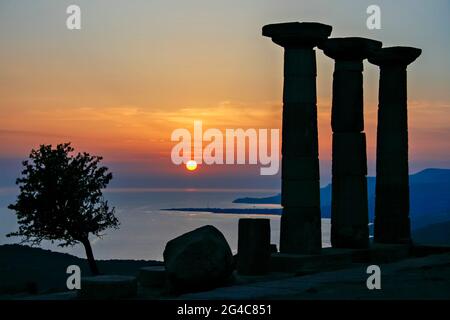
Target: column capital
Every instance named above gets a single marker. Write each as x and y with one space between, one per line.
297 34
351 48
397 56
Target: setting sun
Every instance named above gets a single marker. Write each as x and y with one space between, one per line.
191 165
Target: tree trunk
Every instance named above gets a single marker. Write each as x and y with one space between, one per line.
90 257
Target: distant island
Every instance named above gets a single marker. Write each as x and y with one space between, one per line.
429 200
276 199
275 211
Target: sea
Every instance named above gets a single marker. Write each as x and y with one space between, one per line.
145 227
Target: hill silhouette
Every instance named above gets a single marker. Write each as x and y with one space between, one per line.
429 200
35 270
433 234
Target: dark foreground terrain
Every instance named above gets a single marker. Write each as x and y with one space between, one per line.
420 278
36 274
25 270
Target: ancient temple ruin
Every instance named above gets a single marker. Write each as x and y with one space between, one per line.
300 223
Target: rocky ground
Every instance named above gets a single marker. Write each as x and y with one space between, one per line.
25 270
426 277
417 278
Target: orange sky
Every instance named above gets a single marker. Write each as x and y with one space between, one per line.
119 86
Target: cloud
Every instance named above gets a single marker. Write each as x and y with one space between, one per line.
5 132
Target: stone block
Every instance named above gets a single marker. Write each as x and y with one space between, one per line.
328 259
300 62
347 106
253 246
349 212
349 154
392 144
300 230
392 117
392 163
350 48
351 237
392 195
273 248
154 276
300 168
108 287
297 34
392 178
392 86
300 193
392 229
300 135
395 57
299 89
388 253
349 200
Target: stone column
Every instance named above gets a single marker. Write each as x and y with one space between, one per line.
349 208
253 256
300 193
392 223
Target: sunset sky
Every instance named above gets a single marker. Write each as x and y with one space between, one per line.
139 69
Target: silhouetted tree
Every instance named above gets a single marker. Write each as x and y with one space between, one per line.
61 199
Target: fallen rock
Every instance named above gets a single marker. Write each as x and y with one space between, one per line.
198 260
